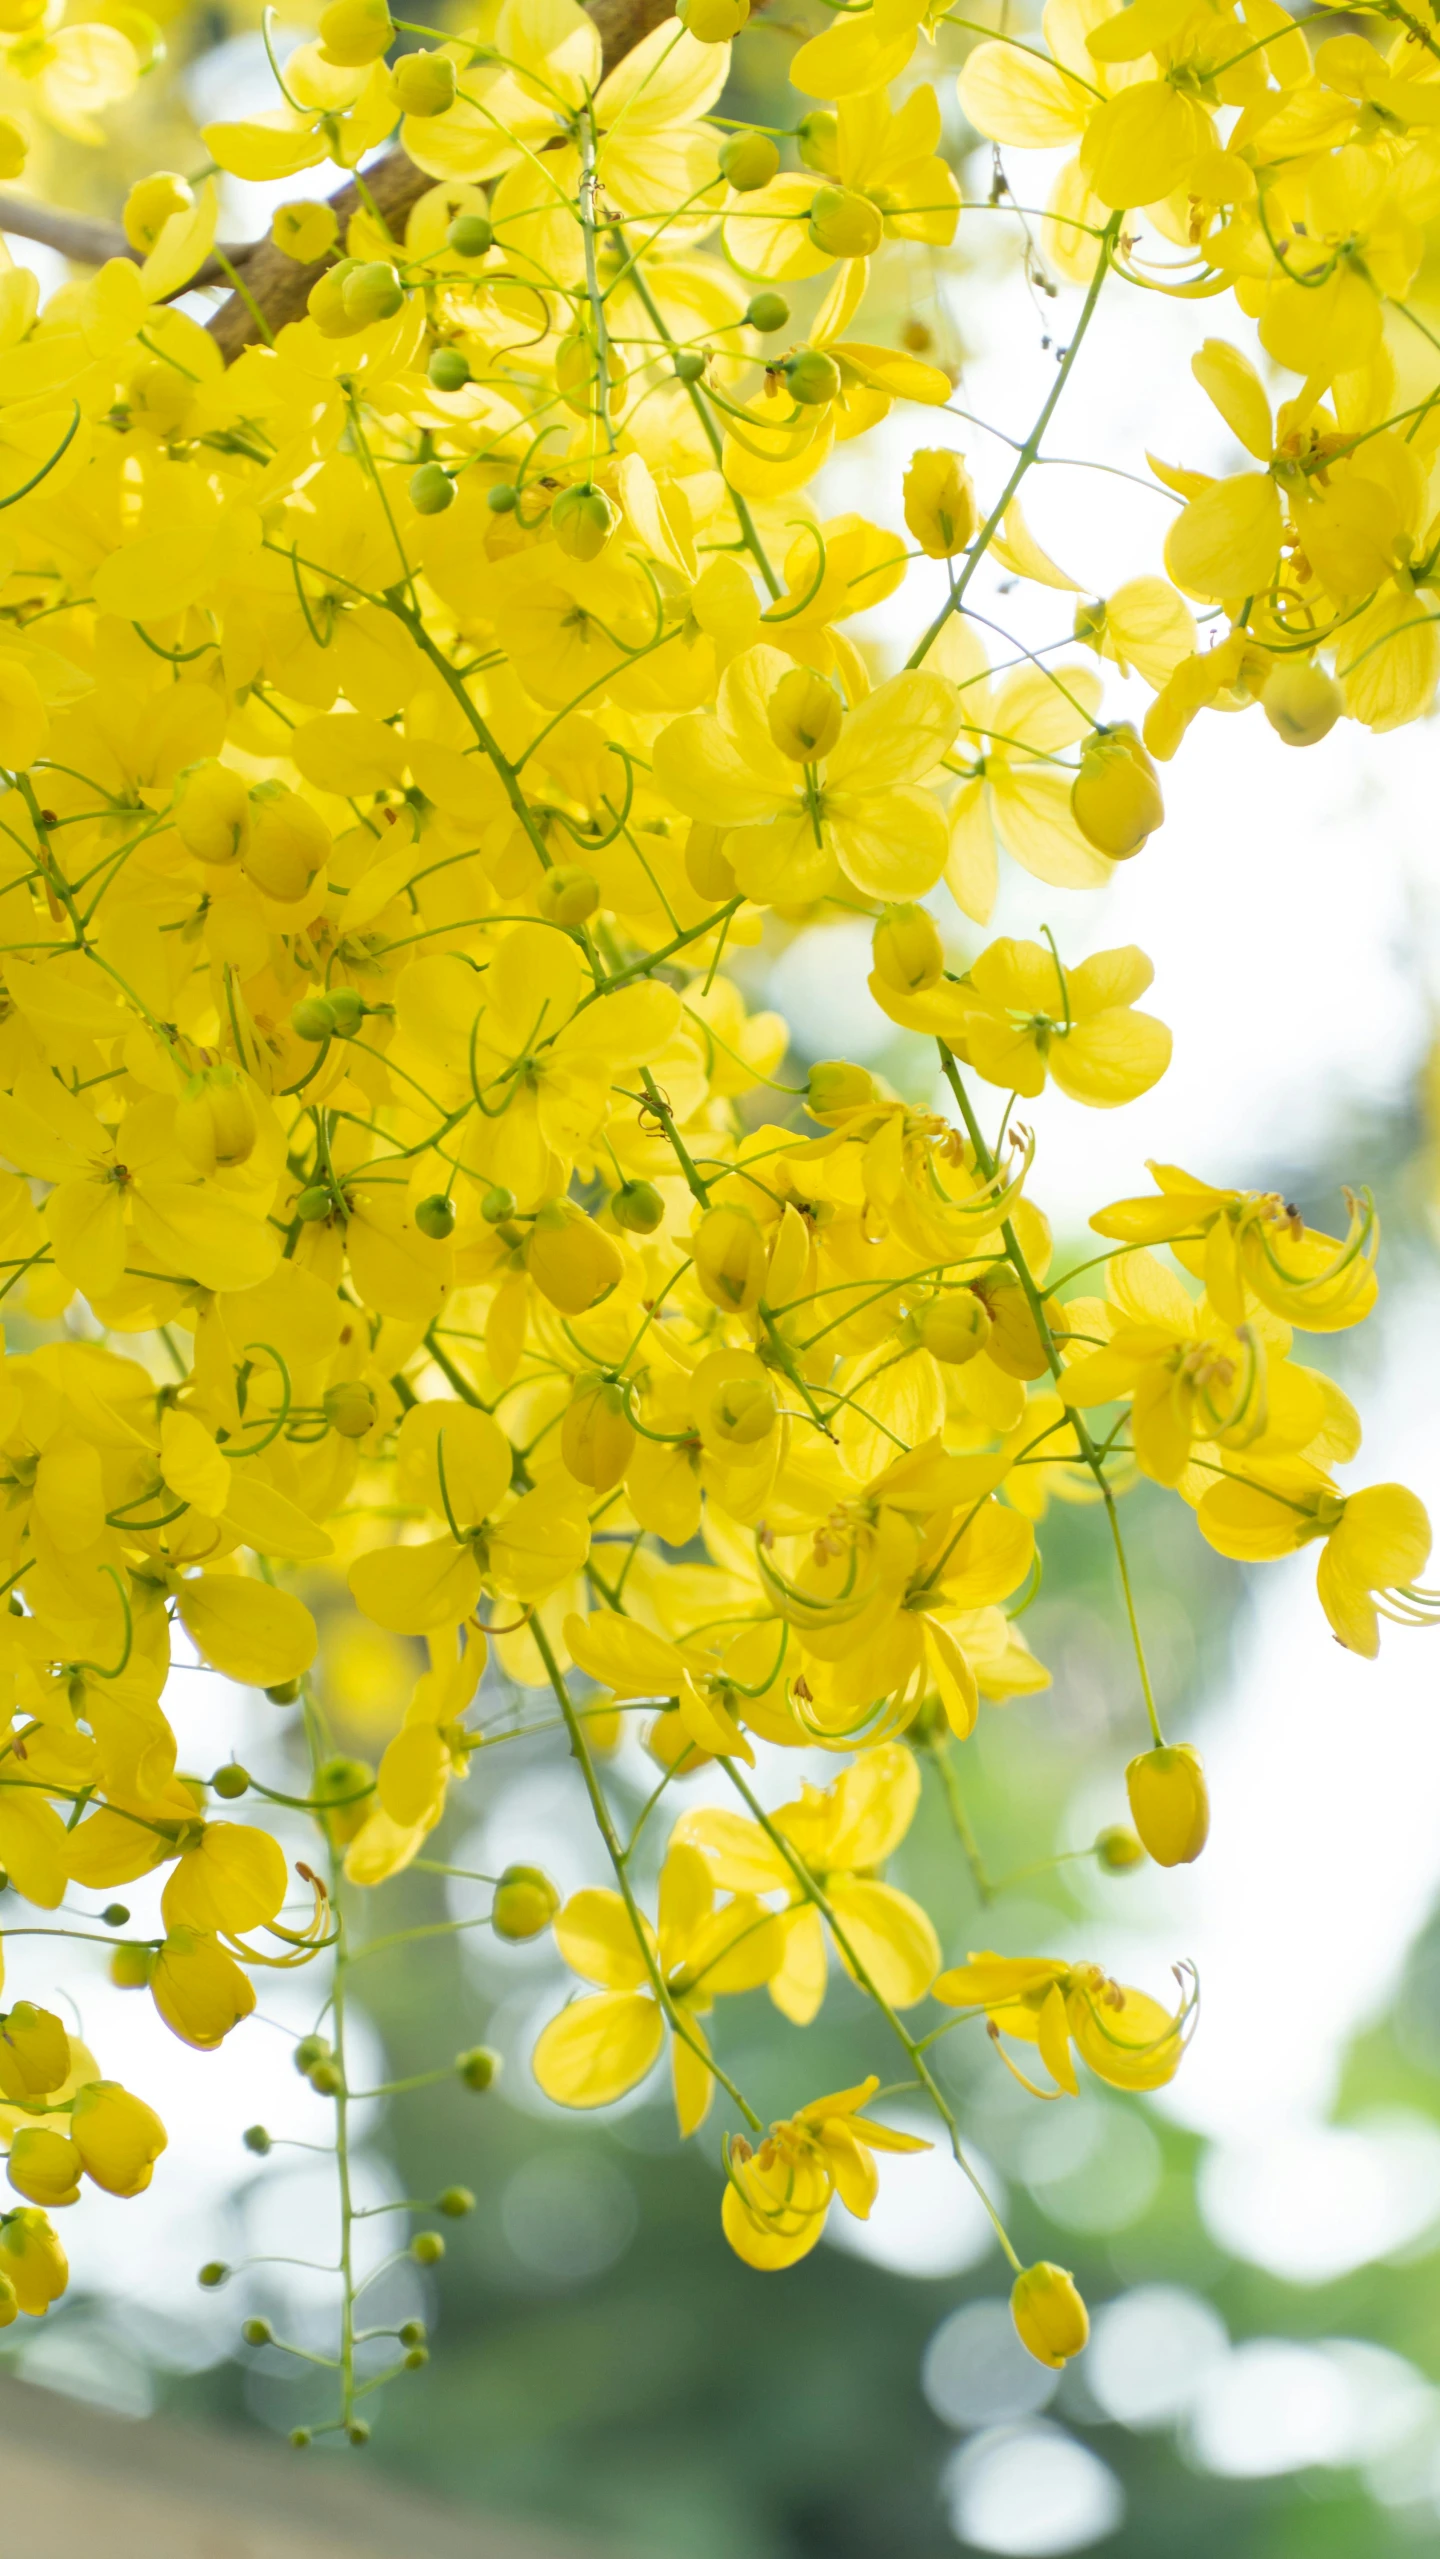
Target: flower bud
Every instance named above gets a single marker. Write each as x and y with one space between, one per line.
325 301
34 2052
1115 797
1169 1804
469 235
289 843
525 1903
497 1205
372 292
256 2140
216 1122
448 369
730 1259
817 139
1301 702
748 161
740 1412
567 894
354 32
597 1436
423 83
32 2260
940 507
908 952
435 1217
427 2247
431 489
845 224
149 206
350 1407
804 714
835 1087
455 2202
346 1788
310 2051
257 2332
767 312
570 1259
326 2079
478 2069
357 2432
212 812
316 1202
582 520
503 499
811 377
713 21
119 2138
213 2274
231 1782
115 1915
1117 1849
44 2166
637 1208
304 230
1049 2315
953 1328
689 365
313 1018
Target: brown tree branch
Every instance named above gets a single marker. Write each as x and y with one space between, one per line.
279 287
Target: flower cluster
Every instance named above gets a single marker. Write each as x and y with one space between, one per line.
405 727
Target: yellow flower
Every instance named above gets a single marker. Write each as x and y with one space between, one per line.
1251 1246
778 2195
841 1834
1021 1016
1127 2038
32 2260
600 2046
1050 2318
1375 1542
803 820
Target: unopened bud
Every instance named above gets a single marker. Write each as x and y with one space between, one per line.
316 1201
730 1259
132 1966
257 2139
767 312
1117 1849
427 2247
1169 1803
567 894
835 1087
804 714
1115 797
289 842
212 813
713 21
350 1408
597 1436
748 161
257 2332
582 520
637 1208
346 1789
817 139
448 369
231 1782
423 83
354 32
310 2051
213 2275
940 507
469 235
908 952
149 206
1301 702
216 1122
431 489
371 292
1050 2318
497 1205
455 2202
525 1903
304 231
435 1217
478 2069
845 224
811 377
953 1328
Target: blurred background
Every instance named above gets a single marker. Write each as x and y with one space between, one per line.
1259 2243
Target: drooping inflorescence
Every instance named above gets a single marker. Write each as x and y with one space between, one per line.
404 725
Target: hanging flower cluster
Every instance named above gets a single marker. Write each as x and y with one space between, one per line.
403 728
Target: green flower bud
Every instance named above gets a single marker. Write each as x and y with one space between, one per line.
767 312
115 1915
213 2275
497 1205
637 1208
689 365
748 161
357 2432
479 2068
431 489
258 2332
811 377
256 2138
582 520
415 2359
348 1011
326 2079
285 1692
908 952
413 2333
845 224
953 1328
313 1018
350 1407
231 1782
427 2247
435 1217
301 2438
309 2053
567 894
132 1966
1301 702
469 235
525 1903
347 1788
372 292
423 83
502 499
817 139
448 369
354 32
315 1202
1117 1849
455 2202
835 1087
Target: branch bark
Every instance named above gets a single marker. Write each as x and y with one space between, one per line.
279 288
